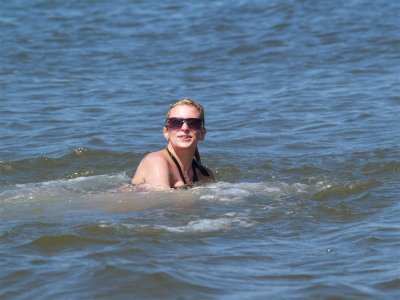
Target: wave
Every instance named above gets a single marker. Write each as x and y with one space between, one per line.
339 191
226 221
77 163
116 185
85 162
225 191
106 193
56 243
83 179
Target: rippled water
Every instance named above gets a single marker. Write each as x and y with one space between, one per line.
302 109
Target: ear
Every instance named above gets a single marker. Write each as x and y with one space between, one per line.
202 134
165 132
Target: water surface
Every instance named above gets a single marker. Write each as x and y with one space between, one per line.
302 106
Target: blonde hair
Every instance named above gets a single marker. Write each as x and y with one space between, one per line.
191 102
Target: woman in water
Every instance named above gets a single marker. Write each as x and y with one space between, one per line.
179 165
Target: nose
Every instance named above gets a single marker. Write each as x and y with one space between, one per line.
185 126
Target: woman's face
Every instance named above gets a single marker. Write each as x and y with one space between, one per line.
187 136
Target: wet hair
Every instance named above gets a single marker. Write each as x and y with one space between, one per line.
191 102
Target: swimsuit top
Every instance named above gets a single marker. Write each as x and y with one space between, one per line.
195 165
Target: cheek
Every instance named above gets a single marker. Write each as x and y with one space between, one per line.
201 134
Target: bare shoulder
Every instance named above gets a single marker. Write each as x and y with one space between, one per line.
152 169
156 158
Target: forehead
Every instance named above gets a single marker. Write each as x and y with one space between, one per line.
184 111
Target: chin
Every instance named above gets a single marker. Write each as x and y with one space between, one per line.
185 145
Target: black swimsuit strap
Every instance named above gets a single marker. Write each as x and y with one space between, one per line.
177 165
195 164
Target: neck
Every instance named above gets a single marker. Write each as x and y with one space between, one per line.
184 157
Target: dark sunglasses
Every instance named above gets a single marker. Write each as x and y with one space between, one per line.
177 123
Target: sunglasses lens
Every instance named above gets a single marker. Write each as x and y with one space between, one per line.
176 123
194 123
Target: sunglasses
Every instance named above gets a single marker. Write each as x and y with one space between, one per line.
177 123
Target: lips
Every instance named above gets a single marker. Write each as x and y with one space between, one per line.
185 137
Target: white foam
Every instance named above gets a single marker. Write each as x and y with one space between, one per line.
223 191
234 192
108 188
209 225
61 188
226 221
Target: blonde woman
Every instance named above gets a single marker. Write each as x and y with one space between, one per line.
179 165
